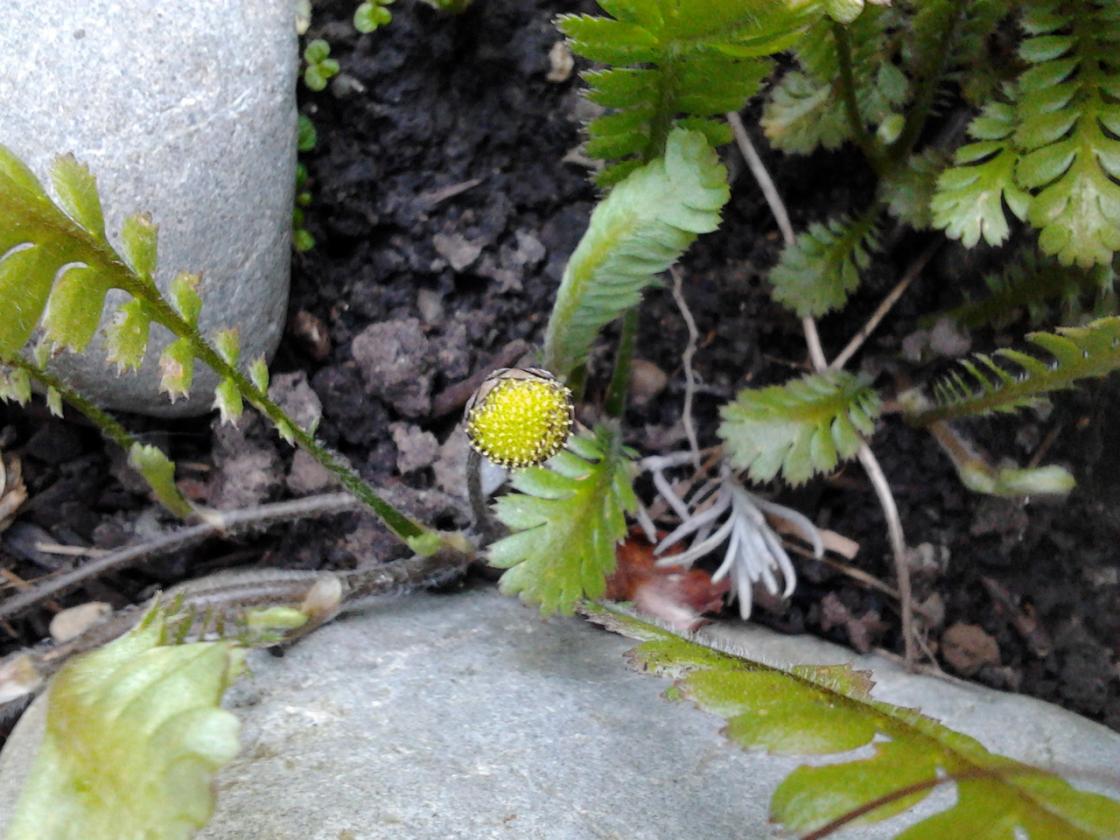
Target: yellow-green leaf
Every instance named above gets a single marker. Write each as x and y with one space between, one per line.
134 735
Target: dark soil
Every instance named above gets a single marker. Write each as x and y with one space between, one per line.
444 213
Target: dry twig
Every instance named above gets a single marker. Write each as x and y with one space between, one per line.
820 364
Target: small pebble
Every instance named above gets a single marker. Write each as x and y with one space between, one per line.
647 381
73 622
312 335
968 648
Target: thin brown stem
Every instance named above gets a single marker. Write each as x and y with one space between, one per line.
216 524
885 307
898 545
762 176
686 362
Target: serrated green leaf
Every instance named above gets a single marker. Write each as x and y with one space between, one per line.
228 401
77 193
185 297
126 339
25 281
159 471
139 235
638 231
968 203
799 429
908 190
815 710
673 64
258 374
822 267
566 522
805 109
802 114
134 736
1066 100
74 308
1074 353
1031 284
176 367
56 267
15 385
54 402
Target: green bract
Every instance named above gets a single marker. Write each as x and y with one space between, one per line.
566 520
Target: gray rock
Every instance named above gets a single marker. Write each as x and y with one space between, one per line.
416 448
307 476
392 356
292 393
459 251
184 110
247 467
468 716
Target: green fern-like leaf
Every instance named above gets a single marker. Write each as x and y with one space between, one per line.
827 710
56 264
1068 119
636 232
1050 152
822 267
969 202
673 62
974 63
1032 284
134 736
802 114
805 109
566 520
1008 380
909 189
801 428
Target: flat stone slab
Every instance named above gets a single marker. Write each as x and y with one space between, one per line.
468 716
186 111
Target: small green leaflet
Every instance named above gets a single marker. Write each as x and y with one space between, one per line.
801 428
828 709
822 267
133 738
566 520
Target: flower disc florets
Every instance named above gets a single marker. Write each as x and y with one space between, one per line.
520 418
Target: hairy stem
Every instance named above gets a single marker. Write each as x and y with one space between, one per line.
216 524
483 522
932 67
401 525
851 105
108 425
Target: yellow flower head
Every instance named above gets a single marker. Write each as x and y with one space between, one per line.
520 418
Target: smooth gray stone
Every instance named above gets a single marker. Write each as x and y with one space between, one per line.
467 716
185 110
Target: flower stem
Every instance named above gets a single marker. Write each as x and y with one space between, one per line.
624 355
